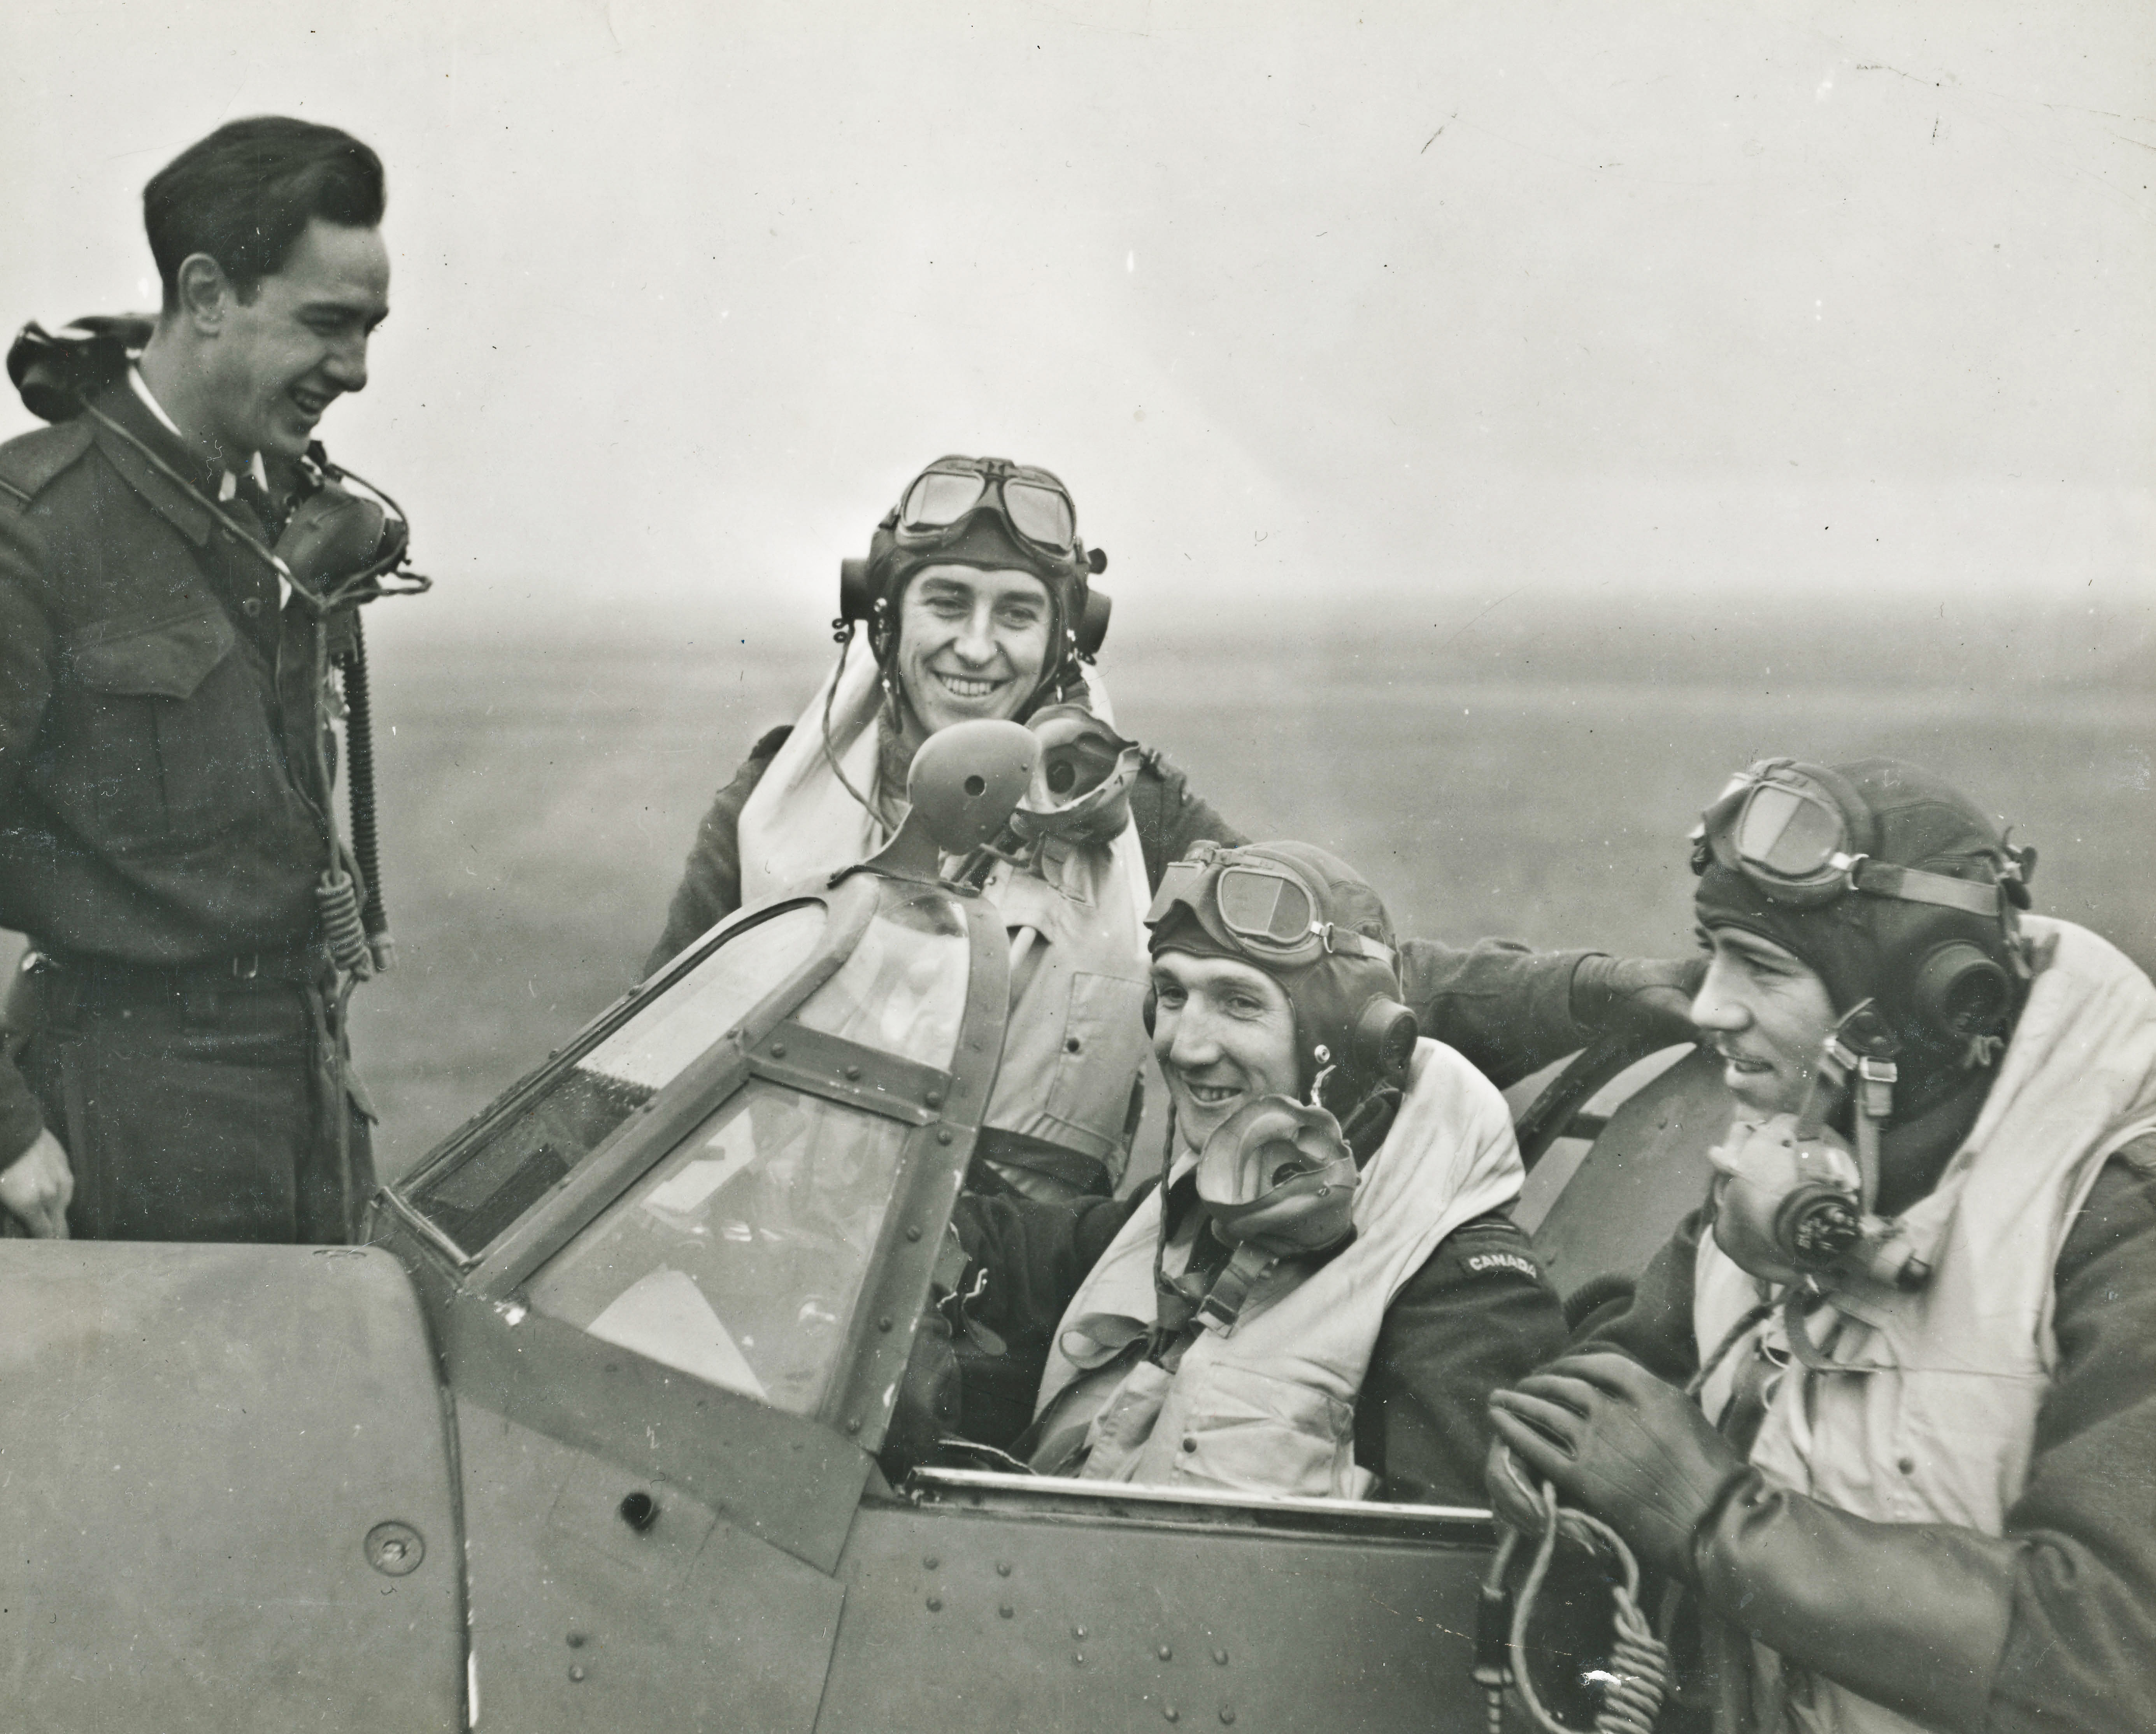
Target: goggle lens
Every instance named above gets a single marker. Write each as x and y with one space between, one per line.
1040 515
1264 906
940 499
1788 833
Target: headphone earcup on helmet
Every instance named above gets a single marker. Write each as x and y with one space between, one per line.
1093 625
1150 1009
854 602
1385 1035
1960 990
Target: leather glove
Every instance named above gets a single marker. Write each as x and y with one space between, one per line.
1515 1500
1620 1444
1653 995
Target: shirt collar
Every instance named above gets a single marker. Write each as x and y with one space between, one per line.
227 484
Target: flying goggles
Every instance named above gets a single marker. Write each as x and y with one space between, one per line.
1264 908
978 511
1032 501
1798 834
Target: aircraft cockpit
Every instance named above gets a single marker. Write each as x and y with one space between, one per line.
676 1278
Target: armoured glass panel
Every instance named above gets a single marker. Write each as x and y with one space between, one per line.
1264 906
516 1162
940 497
904 988
739 1257
1041 513
1787 833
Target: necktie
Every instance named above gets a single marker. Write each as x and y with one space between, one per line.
251 493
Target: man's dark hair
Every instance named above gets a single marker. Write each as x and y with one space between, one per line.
245 194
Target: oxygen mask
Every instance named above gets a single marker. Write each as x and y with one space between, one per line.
1794 1201
1080 792
1278 1175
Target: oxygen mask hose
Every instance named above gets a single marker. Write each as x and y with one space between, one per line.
365 846
1637 1678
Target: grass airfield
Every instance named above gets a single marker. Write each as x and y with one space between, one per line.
541 785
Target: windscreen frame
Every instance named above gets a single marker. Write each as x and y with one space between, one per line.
845 918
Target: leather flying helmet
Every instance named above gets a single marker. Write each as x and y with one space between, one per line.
1890 885
1313 923
996 515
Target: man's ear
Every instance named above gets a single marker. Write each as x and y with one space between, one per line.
206 293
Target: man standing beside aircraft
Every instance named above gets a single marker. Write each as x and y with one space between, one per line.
164 786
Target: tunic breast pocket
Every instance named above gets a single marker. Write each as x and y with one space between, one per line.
173 737
1104 1043
1241 1429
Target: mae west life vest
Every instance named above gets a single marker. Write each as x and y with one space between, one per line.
1269 1407
1942 1426
1075 1039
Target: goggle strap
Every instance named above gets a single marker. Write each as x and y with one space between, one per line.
1346 941
1912 885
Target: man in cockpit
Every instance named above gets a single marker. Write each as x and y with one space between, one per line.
977 599
1325 1285
1886 1405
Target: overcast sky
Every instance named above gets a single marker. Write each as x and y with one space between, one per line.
1308 303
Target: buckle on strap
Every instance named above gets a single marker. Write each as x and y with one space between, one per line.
1346 941
1223 1304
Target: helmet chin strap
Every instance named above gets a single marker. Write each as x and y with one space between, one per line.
1856 1055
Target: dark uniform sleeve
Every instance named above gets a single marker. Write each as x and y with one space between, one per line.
1035 1254
27 653
2080 1642
1654 1325
1169 817
1479 1314
710 882
1506 1008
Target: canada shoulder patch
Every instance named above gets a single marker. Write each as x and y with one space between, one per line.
1482 1264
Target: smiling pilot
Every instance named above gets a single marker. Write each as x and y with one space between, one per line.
1327 1283
1886 1403
165 794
